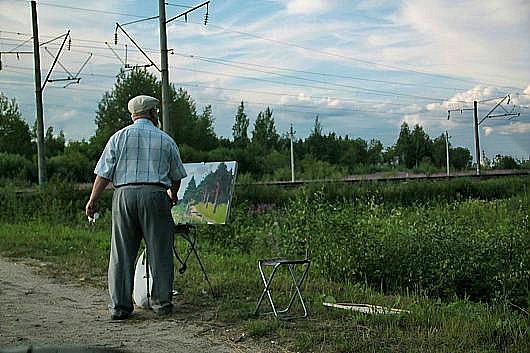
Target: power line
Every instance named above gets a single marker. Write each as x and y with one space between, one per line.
285 43
399 113
355 88
393 67
90 10
226 62
233 64
283 94
378 92
366 90
176 5
344 110
347 86
309 109
292 95
353 100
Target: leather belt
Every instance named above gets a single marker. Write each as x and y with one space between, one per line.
142 184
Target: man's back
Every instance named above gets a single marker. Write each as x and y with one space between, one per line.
140 153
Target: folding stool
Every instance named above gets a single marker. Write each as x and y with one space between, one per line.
276 263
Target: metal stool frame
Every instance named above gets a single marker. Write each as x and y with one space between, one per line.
276 263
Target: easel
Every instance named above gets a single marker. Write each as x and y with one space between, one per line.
185 232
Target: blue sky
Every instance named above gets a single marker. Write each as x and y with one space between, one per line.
363 66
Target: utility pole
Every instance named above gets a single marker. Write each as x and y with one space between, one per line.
39 86
447 150
163 65
477 144
41 161
510 114
163 50
291 133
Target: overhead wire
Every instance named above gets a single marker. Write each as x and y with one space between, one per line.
284 94
354 88
307 109
220 61
280 94
229 63
298 106
104 12
311 110
21 44
379 92
392 93
314 50
295 45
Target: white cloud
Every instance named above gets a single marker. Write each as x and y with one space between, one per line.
477 93
433 106
67 115
522 99
490 42
334 103
307 7
412 120
515 128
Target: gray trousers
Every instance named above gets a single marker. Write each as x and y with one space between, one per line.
141 211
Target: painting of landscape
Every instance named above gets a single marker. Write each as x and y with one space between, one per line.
205 194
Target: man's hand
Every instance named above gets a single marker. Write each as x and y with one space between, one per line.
173 196
173 191
90 208
99 185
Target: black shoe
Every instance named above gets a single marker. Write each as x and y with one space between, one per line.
121 315
165 310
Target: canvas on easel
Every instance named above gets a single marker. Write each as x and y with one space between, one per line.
205 195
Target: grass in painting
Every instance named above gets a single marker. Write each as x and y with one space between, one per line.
215 214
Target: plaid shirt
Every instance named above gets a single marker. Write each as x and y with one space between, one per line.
140 153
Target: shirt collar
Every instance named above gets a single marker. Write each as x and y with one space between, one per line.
143 121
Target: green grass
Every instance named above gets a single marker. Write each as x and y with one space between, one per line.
460 266
432 326
78 252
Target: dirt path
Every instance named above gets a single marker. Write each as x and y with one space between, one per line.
38 310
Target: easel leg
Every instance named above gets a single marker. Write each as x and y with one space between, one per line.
203 270
191 249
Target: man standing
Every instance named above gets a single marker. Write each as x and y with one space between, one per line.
144 165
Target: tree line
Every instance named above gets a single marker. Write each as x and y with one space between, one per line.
262 152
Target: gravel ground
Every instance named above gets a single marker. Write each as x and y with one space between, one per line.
37 310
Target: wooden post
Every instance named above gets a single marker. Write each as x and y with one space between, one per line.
41 161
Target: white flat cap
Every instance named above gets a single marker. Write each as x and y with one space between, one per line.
141 104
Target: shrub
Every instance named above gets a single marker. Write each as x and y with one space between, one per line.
476 249
413 192
14 166
472 249
72 166
54 202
